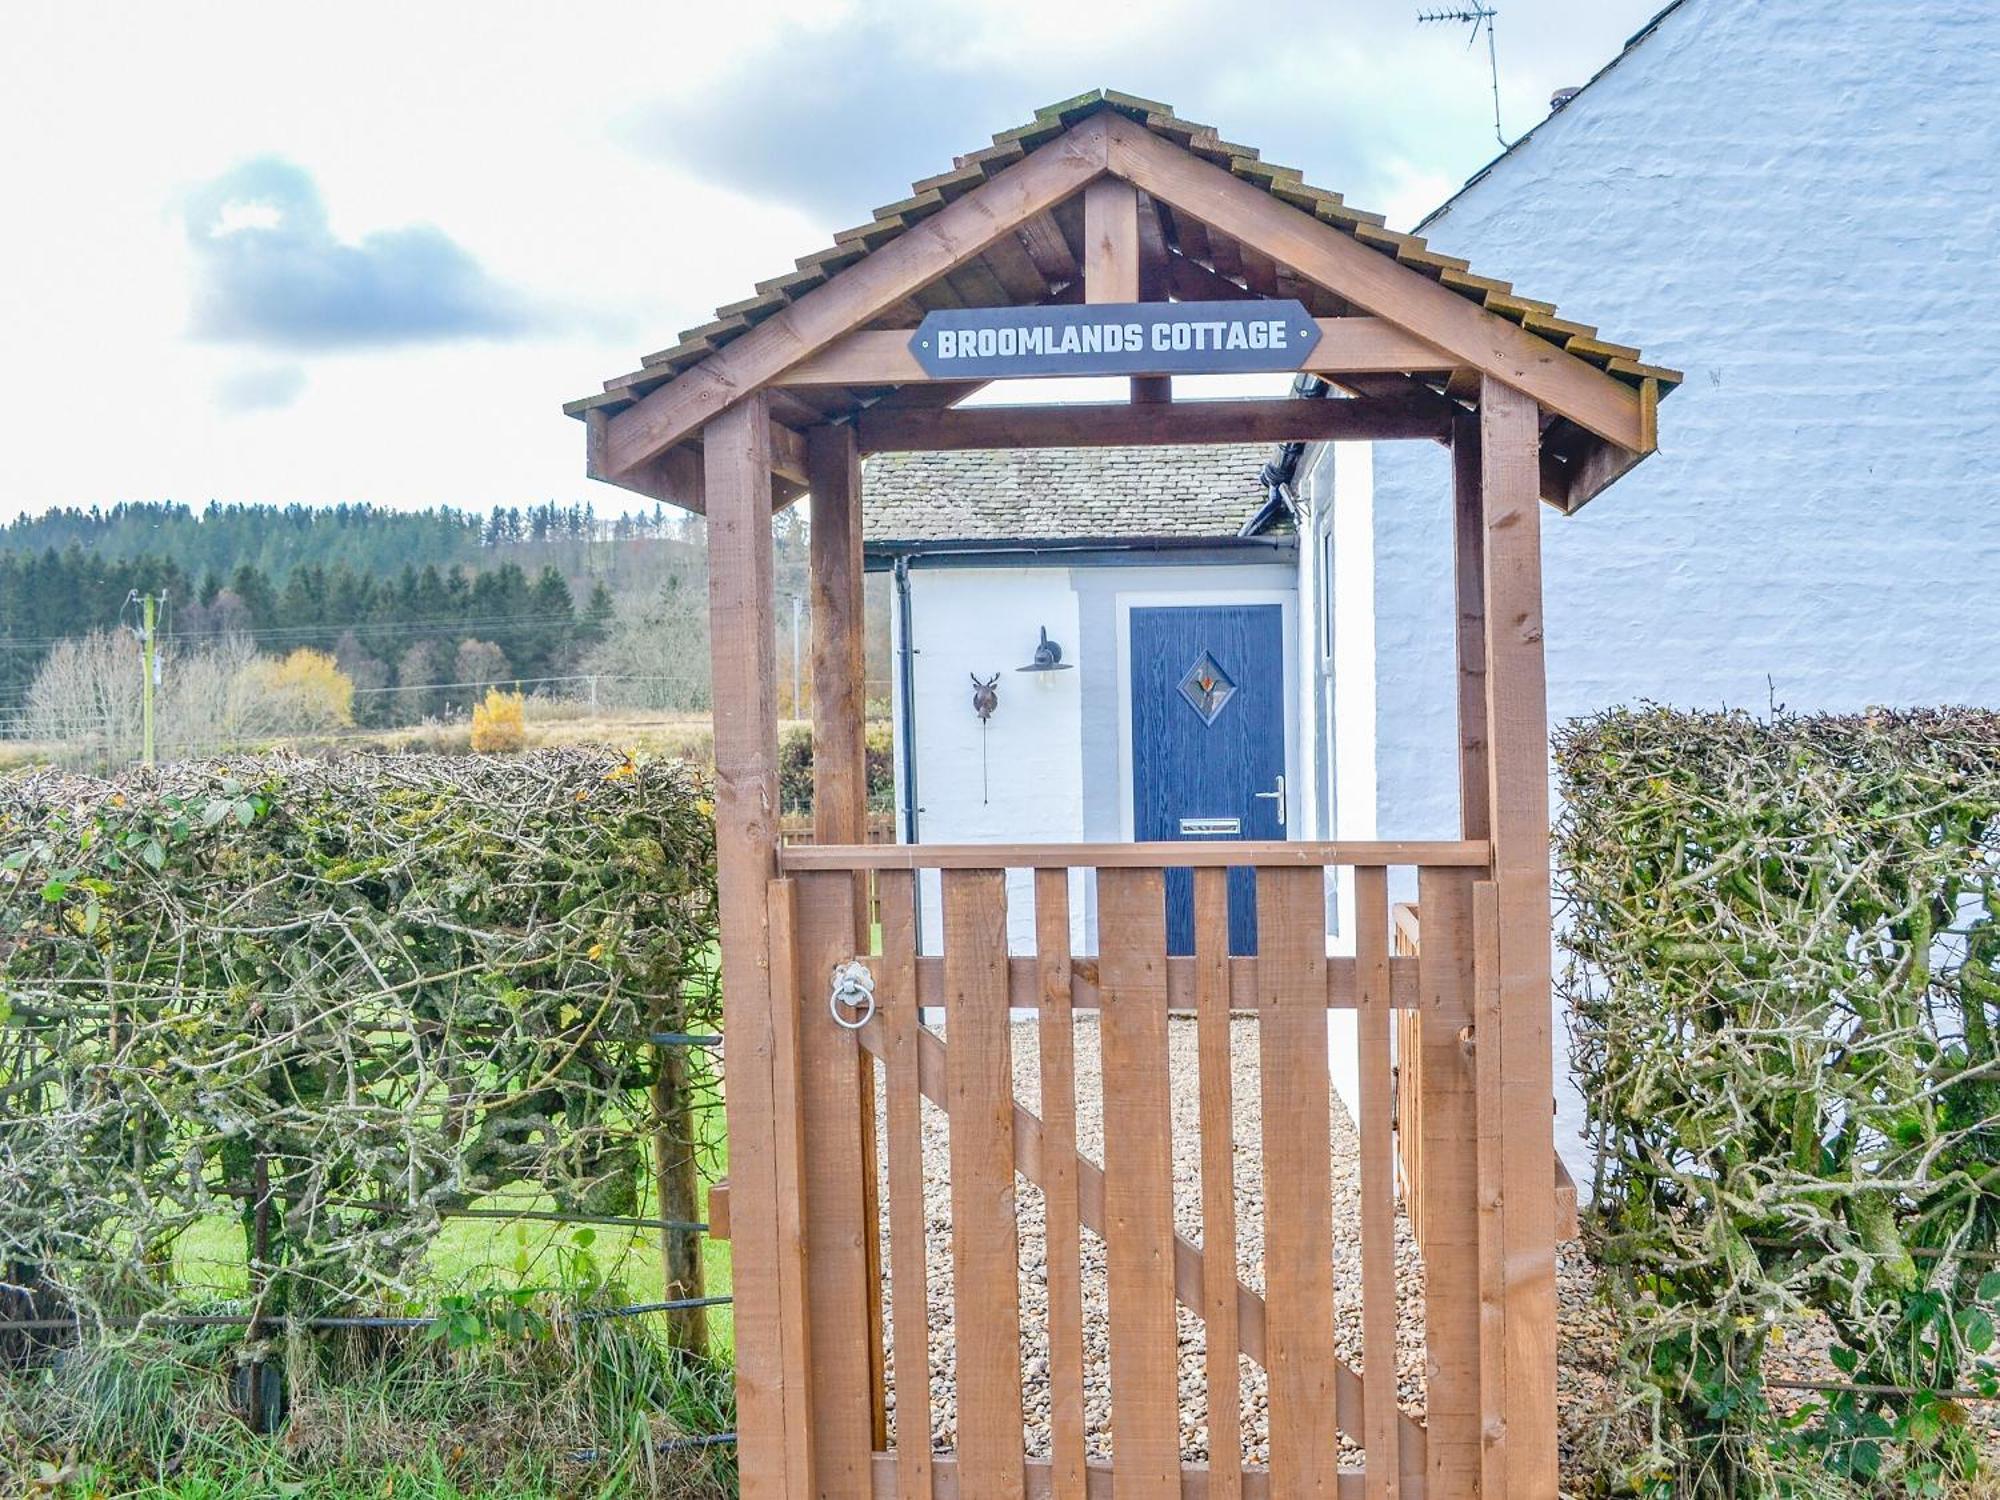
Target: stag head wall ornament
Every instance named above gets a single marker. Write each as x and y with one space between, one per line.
985 696
985 699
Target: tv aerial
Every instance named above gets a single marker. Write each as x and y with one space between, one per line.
1478 17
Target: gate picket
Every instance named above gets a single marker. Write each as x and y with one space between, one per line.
1218 1183
909 1282
1449 1181
1062 1234
979 1083
1378 1184
834 1172
1298 1199
1138 1180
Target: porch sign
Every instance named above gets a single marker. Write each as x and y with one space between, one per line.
1114 338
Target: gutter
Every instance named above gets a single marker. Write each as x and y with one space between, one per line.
1277 475
906 690
1110 551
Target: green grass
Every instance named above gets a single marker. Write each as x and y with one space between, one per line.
398 1416
573 1409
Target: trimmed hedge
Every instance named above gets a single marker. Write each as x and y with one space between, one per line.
335 999
1784 939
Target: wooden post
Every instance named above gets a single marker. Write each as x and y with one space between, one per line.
840 772
1469 552
772 1417
1518 801
1111 262
840 785
1110 241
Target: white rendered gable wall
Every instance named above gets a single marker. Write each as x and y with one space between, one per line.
1801 209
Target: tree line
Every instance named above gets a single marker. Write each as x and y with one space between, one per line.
420 610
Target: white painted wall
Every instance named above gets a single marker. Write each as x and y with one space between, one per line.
1800 207
1056 753
987 620
1334 486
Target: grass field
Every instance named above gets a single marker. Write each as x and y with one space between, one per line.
686 736
574 1411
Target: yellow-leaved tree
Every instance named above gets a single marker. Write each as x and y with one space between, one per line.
303 693
500 722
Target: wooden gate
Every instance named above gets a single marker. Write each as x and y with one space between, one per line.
944 1027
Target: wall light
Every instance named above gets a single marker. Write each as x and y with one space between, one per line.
1048 657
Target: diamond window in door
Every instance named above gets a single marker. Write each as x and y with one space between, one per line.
1207 688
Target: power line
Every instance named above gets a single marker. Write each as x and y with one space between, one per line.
363 627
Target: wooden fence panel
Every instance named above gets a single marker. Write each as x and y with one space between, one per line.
1062 1233
1138 1180
788 1116
837 1172
1378 1183
1289 988
1218 1184
909 1284
1298 1203
979 1082
1446 1181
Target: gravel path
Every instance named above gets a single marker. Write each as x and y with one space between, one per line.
1586 1375
1584 1370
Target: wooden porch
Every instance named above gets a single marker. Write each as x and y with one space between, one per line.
1115 203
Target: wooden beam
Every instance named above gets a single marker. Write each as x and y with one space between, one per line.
1028 981
920 255
1431 312
675 476
1110 242
1145 423
788 454
770 1383
1195 1481
1152 252
1593 471
1191 281
672 478
1042 238
1473 854
1518 799
1347 346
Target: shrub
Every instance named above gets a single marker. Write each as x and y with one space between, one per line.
337 1000
297 694
1785 998
499 722
795 767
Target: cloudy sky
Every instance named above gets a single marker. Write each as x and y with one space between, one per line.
256 251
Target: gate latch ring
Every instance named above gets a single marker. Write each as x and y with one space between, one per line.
853 1001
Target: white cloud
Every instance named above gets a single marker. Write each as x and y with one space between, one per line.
509 128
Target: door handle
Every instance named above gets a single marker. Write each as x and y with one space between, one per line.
1278 797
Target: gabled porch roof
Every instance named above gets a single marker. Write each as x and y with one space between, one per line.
1406 331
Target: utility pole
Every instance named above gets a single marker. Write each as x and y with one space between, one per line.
149 657
797 681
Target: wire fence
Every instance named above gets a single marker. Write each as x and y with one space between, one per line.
258 1323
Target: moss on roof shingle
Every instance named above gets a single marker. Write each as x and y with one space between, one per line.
1049 494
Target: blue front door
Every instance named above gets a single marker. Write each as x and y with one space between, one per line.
1208 743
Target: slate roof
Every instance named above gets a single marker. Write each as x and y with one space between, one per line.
1051 494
